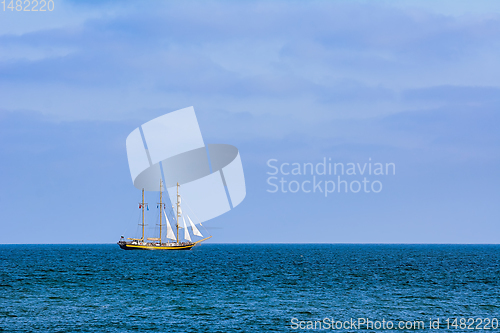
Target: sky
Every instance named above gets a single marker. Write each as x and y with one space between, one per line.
413 83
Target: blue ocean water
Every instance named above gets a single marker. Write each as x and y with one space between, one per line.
243 288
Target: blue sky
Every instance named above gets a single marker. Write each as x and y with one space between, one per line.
416 83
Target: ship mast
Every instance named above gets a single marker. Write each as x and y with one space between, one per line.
161 187
142 238
177 224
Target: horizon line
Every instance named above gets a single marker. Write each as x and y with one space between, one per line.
265 243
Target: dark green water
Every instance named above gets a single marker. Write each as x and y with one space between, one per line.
243 288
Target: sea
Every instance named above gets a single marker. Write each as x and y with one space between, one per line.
250 288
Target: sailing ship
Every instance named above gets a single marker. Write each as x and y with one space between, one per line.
172 241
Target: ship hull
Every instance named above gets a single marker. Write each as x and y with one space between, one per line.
128 246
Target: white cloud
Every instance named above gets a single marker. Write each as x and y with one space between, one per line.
311 62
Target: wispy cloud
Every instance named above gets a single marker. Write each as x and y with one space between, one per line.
343 59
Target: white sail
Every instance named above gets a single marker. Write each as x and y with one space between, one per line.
170 232
186 232
196 232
